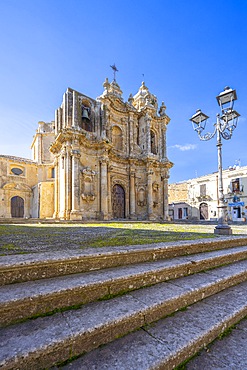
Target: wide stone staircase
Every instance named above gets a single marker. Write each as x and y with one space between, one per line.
134 307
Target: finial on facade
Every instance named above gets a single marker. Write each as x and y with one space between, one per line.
114 68
131 99
143 86
106 84
162 110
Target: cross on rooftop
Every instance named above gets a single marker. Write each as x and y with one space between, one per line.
114 68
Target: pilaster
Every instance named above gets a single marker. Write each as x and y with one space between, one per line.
75 213
148 138
132 194
56 188
165 198
150 194
103 188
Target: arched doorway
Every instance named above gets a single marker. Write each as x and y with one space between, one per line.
17 207
118 202
203 211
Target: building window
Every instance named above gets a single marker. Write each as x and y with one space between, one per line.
235 186
117 138
137 136
203 190
185 212
153 142
17 171
52 172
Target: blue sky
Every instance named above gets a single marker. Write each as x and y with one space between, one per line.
188 52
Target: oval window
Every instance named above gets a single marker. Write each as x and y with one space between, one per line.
16 171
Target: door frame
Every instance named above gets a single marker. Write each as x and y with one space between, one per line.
123 211
17 207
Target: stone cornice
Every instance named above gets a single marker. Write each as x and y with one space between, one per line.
69 135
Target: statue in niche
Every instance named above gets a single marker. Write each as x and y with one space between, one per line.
155 187
141 191
88 187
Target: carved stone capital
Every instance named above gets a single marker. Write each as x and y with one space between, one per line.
104 160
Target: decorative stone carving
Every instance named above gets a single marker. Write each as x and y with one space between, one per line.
155 186
123 141
141 196
88 187
119 181
17 186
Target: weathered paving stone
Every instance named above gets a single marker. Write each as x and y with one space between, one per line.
167 343
56 338
28 343
45 340
137 351
228 353
19 268
32 298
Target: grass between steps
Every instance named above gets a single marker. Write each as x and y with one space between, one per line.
29 238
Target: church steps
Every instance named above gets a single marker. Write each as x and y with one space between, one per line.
21 268
172 340
45 341
227 352
35 298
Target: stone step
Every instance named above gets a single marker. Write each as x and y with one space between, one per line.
41 343
170 341
20 268
29 299
228 352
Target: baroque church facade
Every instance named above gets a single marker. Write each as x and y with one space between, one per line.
101 159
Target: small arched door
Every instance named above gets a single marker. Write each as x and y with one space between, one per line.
17 207
203 211
118 202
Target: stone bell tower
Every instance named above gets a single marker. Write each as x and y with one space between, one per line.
110 156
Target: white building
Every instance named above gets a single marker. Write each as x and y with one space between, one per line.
203 198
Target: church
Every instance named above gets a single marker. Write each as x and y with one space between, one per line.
100 159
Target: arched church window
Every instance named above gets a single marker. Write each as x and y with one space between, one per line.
153 142
117 138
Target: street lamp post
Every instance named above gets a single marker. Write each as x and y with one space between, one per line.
223 128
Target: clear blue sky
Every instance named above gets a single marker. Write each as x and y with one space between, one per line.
188 52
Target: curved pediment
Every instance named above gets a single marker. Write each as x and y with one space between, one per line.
17 186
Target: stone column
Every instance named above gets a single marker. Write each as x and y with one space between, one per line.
148 136
56 188
150 194
62 179
165 198
68 183
109 194
164 143
105 123
75 212
131 134
74 113
103 189
132 195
